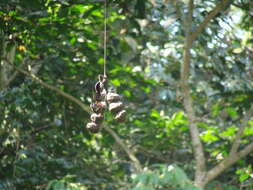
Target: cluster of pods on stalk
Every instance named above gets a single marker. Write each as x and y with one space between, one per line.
102 99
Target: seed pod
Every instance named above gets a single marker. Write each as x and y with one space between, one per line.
115 107
120 117
99 87
98 107
101 105
103 94
97 97
97 118
94 107
93 127
100 91
112 97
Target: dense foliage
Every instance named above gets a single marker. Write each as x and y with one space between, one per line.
43 140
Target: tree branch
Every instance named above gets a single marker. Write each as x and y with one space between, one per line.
188 103
60 92
152 154
136 162
234 155
229 161
239 134
85 108
219 7
37 130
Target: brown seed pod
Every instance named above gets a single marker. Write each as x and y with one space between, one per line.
97 97
120 117
97 118
115 107
98 107
100 91
94 107
99 86
101 105
103 94
93 127
112 97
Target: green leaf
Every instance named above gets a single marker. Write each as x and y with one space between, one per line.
191 187
180 176
208 136
243 177
59 185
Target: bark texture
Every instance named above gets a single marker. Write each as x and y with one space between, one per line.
188 103
202 176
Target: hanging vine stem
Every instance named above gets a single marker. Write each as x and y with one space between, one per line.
105 36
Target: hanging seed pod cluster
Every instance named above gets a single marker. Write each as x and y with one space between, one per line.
102 98
102 101
116 106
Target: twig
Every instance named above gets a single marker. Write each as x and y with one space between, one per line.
136 162
219 7
152 154
239 134
37 130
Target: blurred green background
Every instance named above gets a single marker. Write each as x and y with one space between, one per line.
43 140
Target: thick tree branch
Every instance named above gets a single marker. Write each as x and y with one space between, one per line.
229 161
218 8
239 134
85 108
188 103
